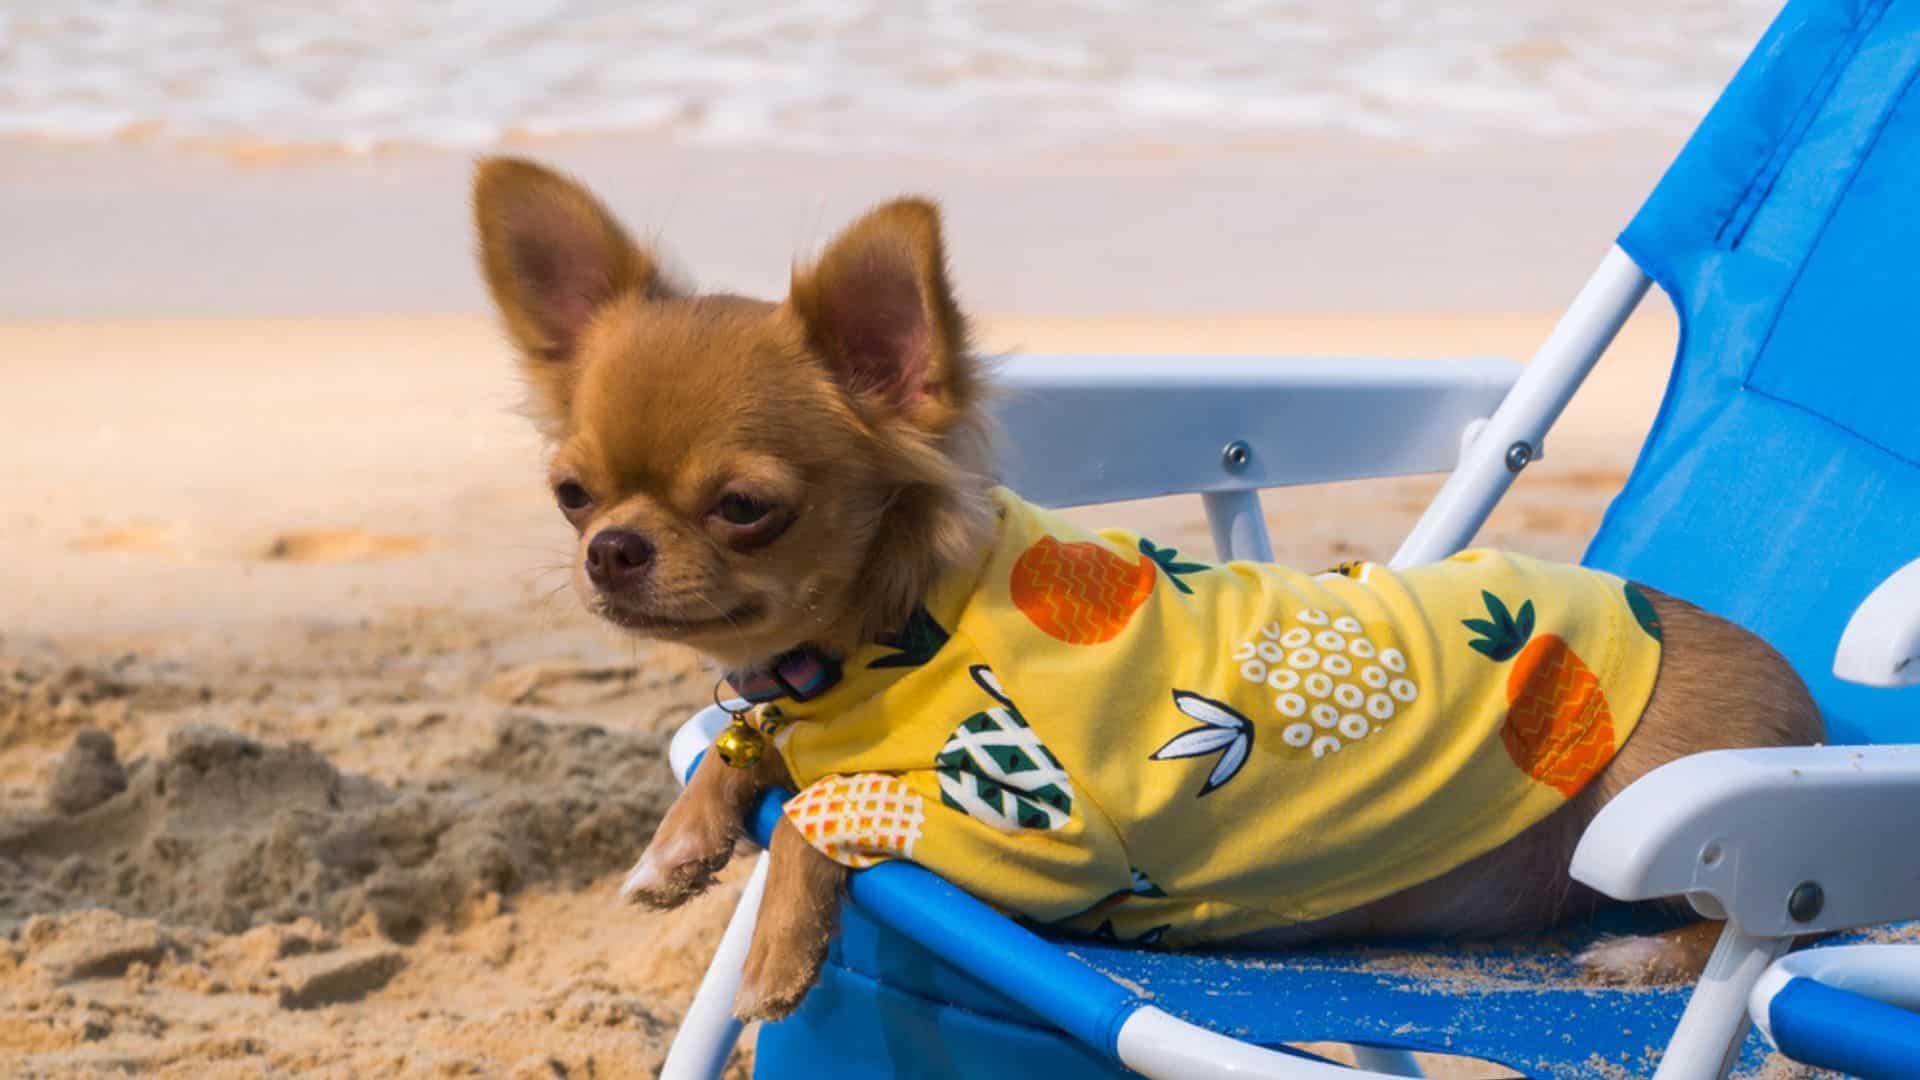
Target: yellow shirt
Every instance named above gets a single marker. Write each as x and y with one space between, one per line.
1089 731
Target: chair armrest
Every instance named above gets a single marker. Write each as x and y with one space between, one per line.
1092 429
1740 832
1881 645
1849 1008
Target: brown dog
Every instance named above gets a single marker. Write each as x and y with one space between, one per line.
747 477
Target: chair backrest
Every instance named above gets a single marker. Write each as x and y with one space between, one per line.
1781 481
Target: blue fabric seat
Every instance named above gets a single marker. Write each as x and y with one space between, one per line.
1780 484
1521 1004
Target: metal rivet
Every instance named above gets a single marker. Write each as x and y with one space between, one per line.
1518 455
1805 902
1236 455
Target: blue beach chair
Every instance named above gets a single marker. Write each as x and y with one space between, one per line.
1780 487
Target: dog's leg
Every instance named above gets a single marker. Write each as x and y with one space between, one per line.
696 838
1673 956
797 919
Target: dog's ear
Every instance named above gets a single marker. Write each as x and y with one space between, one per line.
878 309
552 256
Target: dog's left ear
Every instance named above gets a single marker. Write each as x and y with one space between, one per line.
877 307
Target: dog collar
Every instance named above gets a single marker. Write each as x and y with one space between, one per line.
800 674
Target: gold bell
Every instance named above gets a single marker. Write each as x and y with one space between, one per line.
739 744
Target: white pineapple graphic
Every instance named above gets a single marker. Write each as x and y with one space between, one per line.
1332 683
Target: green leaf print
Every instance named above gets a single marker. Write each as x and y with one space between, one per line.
1643 612
916 642
1167 559
1501 634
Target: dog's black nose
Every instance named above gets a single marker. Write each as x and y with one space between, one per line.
616 558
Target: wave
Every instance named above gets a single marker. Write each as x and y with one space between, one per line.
846 74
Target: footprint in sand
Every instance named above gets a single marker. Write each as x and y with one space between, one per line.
341 545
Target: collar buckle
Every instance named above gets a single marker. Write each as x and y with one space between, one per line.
799 674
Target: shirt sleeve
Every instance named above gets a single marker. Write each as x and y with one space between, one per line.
861 819
1044 874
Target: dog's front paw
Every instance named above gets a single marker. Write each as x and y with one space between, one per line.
782 964
678 864
1676 956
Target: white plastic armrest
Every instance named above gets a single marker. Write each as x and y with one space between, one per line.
1881 645
1093 429
1738 831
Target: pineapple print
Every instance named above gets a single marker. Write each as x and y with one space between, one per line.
1643 612
1332 683
1559 729
1084 594
859 820
995 769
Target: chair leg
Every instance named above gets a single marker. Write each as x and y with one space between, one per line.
1714 1027
1382 1060
1239 527
710 1029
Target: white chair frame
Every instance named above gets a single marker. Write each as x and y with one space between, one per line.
1085 430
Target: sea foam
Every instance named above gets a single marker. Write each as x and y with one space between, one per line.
847 74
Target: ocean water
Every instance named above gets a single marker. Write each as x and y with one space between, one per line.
863 74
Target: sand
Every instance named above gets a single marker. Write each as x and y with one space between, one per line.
308 761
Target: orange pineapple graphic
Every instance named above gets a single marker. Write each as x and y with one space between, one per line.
1559 730
1080 592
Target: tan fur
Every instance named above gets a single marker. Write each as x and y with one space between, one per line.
533 224
657 402
790 939
1719 688
855 409
701 828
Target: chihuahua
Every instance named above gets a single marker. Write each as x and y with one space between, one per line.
805 492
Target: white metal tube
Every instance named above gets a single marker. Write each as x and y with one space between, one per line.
1530 408
1382 1060
1239 527
693 737
710 1029
1889 973
1711 1031
1161 1046
707 1034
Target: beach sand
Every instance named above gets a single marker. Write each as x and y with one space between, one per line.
308 761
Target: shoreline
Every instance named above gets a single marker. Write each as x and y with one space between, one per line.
124 229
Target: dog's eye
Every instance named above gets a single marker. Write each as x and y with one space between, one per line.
571 496
736 509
